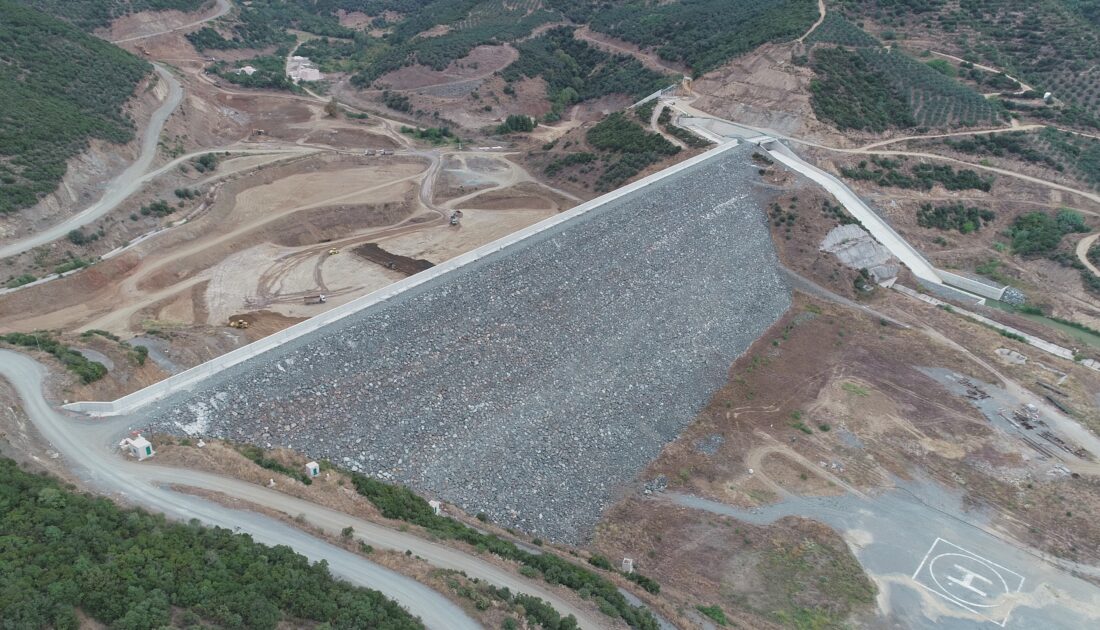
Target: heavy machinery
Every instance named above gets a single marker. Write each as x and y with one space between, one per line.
238 323
316 299
333 251
455 216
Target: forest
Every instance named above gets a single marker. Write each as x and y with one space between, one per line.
702 34
851 94
62 88
922 176
1050 44
634 149
92 14
956 216
63 552
575 71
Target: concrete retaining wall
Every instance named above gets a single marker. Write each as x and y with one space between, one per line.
970 285
189 378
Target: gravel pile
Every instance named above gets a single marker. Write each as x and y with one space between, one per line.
536 383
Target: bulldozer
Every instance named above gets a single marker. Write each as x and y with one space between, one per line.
238 323
333 251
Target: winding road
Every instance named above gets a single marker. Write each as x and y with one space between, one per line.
223 7
122 186
90 452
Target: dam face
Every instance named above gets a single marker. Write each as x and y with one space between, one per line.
535 383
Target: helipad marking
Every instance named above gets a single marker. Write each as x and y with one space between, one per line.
969 580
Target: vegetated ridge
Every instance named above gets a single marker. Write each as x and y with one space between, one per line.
61 88
65 552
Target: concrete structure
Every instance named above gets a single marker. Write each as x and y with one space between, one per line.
530 379
628 565
976 286
313 469
300 68
872 222
138 447
436 506
249 70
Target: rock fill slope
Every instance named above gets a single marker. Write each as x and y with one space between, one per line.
535 383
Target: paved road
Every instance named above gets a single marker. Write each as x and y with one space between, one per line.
120 187
223 7
89 450
918 545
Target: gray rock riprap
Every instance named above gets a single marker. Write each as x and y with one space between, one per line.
537 382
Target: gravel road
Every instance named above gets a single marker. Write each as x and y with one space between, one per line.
537 382
120 187
86 447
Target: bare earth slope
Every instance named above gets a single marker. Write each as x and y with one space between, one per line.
535 383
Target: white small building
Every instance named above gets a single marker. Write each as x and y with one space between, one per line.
628 565
309 74
1048 97
436 506
313 469
249 70
138 446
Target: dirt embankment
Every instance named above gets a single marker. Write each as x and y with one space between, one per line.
402 264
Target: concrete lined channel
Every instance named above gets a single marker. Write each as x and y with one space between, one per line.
535 382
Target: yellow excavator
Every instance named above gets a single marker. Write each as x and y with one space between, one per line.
238 323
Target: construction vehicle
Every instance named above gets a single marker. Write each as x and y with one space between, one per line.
333 251
238 323
316 299
455 216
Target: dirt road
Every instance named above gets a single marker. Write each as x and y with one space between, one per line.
1083 246
88 449
820 19
122 186
222 7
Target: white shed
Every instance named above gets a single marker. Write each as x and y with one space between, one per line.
138 446
313 469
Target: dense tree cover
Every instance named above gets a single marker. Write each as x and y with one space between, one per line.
396 101
955 216
923 176
517 123
1040 234
1082 153
93 14
1014 143
270 72
575 71
634 147
471 24
398 502
88 371
888 88
835 29
64 551
1051 44
851 94
435 135
61 88
263 23
702 34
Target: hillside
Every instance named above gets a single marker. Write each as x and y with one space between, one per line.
66 552
62 88
1053 45
93 14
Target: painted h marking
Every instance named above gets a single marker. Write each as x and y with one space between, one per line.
968 581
